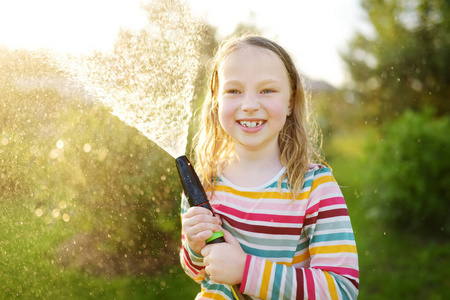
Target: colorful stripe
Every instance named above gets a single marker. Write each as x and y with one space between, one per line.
296 249
331 286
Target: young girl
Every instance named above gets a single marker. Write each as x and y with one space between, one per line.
286 225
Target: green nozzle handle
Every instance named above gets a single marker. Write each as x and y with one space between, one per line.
194 192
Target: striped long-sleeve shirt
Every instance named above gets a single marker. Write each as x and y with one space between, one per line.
302 249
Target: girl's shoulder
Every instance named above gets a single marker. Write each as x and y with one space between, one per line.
317 172
317 169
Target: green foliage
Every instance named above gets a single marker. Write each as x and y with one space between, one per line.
78 165
409 175
387 258
29 268
405 61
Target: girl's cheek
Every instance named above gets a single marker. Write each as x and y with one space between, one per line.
226 118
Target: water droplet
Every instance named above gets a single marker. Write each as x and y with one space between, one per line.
66 218
59 144
87 148
39 212
56 213
54 153
157 103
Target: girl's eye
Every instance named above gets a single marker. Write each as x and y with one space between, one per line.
232 92
267 91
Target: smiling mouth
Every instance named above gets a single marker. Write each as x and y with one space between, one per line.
251 124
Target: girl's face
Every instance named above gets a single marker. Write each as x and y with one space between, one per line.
254 95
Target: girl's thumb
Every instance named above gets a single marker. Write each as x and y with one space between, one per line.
229 238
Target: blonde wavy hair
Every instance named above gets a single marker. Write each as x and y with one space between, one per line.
297 143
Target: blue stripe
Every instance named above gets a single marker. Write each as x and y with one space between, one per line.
214 287
289 279
284 184
267 253
333 237
322 170
302 246
334 225
277 281
343 293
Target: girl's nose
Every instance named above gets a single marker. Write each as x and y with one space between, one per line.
250 102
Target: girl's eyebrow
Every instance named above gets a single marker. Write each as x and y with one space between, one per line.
266 81
232 82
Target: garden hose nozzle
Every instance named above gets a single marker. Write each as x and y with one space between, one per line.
194 192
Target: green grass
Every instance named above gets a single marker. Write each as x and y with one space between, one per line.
30 269
392 265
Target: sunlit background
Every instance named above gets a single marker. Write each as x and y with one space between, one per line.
89 204
313 31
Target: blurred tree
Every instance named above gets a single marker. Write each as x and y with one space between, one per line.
405 63
69 160
409 175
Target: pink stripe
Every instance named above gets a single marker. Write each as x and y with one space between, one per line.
328 187
332 201
340 270
244 278
312 209
265 204
324 203
259 217
310 284
189 263
322 290
345 261
254 283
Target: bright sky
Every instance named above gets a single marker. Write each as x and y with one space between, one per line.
312 31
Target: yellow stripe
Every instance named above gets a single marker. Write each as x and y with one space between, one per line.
318 181
331 286
266 279
285 263
199 277
300 258
264 195
213 296
332 249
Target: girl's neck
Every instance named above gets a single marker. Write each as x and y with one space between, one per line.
251 169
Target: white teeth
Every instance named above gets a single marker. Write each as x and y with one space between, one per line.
251 124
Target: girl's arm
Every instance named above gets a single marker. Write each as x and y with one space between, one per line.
325 265
190 261
198 225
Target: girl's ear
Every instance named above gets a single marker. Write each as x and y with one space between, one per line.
289 111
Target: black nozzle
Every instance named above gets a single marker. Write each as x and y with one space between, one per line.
194 191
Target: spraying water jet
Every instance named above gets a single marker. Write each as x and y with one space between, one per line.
148 83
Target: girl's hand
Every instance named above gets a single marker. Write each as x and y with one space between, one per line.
198 225
225 262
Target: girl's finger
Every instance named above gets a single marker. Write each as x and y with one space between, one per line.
193 211
206 250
